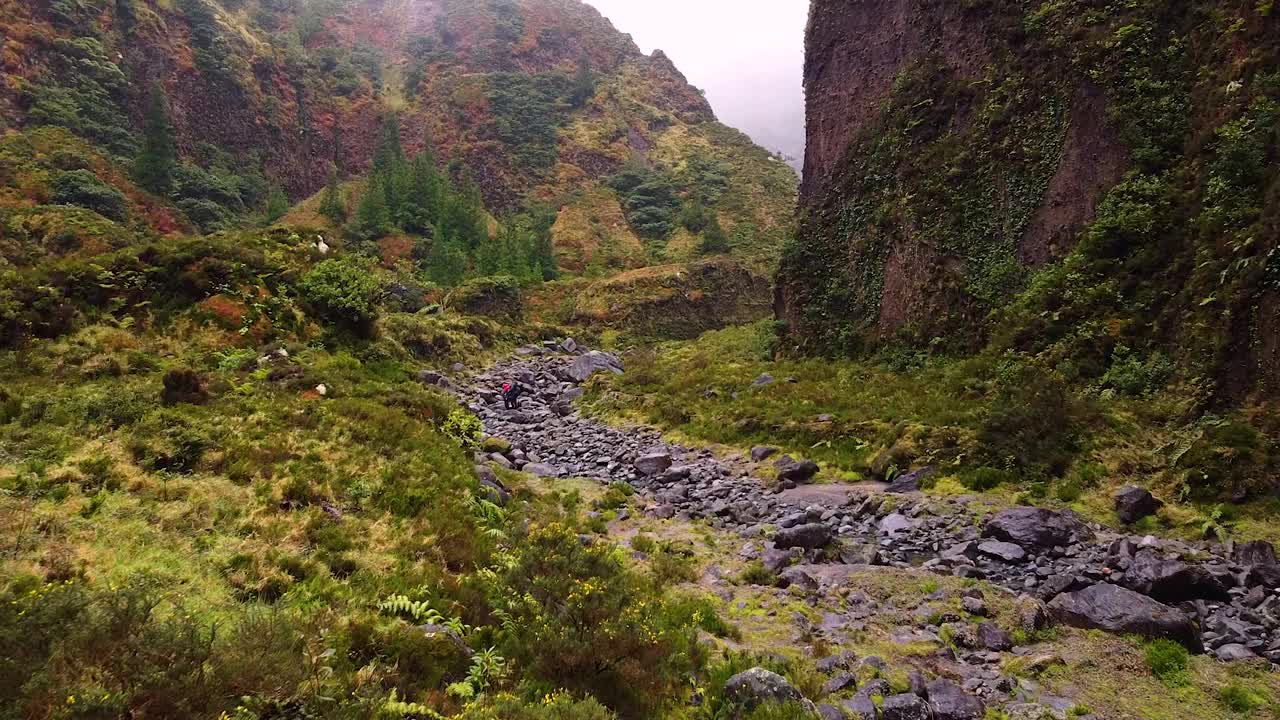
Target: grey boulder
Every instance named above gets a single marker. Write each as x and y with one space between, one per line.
1035 528
904 707
1118 610
653 463
800 472
586 365
949 702
808 536
757 686
1134 503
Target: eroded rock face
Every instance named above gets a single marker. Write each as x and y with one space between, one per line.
1115 609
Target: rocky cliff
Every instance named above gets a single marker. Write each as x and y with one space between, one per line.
1066 179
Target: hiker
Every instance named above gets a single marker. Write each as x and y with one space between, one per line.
511 394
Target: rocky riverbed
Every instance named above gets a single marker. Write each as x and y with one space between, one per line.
1215 598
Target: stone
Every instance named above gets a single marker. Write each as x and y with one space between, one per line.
808 536
429 377
542 470
904 707
1234 651
795 577
774 560
860 708
1006 551
758 686
1134 503
908 482
855 553
1255 552
1035 528
841 661
830 712
761 453
800 472
1172 581
588 364
653 463
949 702
895 524
764 379
1118 610
993 637
963 551
974 606
840 683
495 445
569 345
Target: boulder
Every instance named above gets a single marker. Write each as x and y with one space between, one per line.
495 445
757 686
800 472
993 637
775 560
908 482
795 577
586 365
1035 528
1134 503
860 708
761 453
1255 552
895 524
808 536
840 683
904 707
542 470
1172 581
569 345
830 712
1119 610
949 702
764 379
429 377
1005 551
1234 651
653 463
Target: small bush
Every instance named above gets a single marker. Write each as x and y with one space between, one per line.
463 428
1168 661
1241 699
344 292
83 189
755 573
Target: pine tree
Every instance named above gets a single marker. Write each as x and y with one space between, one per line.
372 219
584 84
277 204
153 168
389 151
334 205
714 239
425 195
447 262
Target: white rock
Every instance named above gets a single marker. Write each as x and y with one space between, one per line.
322 389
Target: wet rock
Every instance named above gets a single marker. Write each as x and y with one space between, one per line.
1119 610
800 472
808 536
1035 528
904 707
949 702
1134 503
758 686
653 463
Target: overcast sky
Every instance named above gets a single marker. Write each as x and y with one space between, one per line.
748 55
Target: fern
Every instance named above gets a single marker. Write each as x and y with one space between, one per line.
421 612
397 708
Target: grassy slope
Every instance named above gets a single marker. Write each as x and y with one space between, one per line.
895 413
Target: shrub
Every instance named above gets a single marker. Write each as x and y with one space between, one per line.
755 573
1168 661
345 292
83 189
555 706
1241 699
463 428
498 295
1031 420
576 618
1224 457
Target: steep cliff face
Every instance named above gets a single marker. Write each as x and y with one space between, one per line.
1060 178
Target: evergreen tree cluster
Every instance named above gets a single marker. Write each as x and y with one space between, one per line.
412 196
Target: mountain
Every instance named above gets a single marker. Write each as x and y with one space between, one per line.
535 102
1089 184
